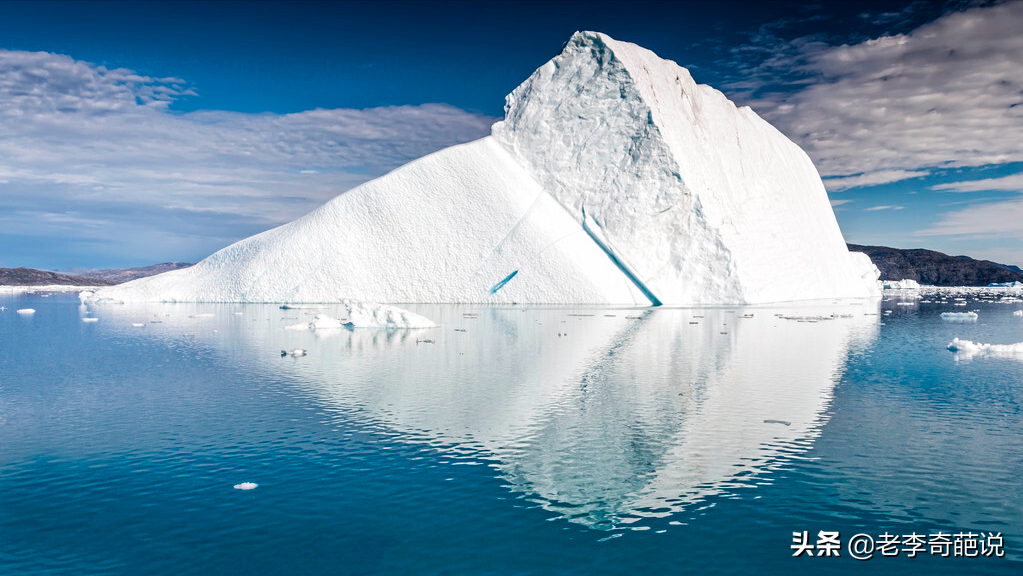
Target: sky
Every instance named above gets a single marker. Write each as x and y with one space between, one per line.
133 133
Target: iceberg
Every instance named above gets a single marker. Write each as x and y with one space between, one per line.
906 284
366 315
614 179
966 349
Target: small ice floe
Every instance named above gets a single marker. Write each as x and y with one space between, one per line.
27 311
967 349
959 316
236 313
86 295
138 324
320 322
372 315
906 284
205 315
324 322
1018 313
90 319
246 486
293 353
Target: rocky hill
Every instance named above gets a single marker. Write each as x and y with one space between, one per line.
32 277
119 275
935 268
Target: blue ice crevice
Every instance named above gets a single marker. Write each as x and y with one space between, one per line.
501 284
595 234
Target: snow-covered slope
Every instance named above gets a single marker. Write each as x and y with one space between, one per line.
614 178
448 227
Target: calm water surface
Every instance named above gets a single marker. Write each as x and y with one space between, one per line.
515 440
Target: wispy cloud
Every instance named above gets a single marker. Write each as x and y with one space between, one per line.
839 202
1011 183
87 151
871 179
875 208
948 94
999 220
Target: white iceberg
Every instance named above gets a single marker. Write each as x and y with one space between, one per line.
27 311
1018 313
905 284
614 178
967 349
366 315
246 486
371 315
324 322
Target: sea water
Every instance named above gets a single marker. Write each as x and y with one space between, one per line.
509 440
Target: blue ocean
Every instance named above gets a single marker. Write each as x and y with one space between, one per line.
819 438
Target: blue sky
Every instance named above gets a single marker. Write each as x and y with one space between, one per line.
135 133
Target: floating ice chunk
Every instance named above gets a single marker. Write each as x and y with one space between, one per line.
236 313
321 322
372 315
27 311
90 319
246 486
969 349
324 322
1018 313
205 315
959 316
86 295
138 324
294 353
906 284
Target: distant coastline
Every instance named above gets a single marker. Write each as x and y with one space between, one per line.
82 277
937 269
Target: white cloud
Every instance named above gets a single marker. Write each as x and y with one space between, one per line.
871 179
998 220
875 208
949 94
839 202
83 143
1012 183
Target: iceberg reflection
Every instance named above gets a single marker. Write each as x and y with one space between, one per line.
604 416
